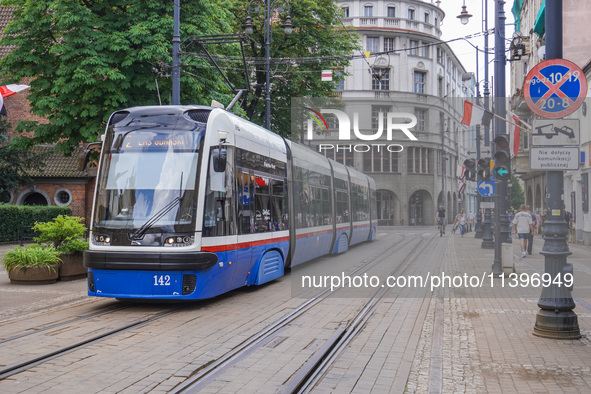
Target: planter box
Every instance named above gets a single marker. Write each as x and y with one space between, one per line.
39 275
71 267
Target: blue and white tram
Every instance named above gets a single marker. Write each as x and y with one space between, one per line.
192 202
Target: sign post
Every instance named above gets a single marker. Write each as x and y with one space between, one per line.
553 89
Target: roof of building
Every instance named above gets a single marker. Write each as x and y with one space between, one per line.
58 165
5 17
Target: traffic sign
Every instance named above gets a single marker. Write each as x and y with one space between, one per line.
554 158
556 132
486 189
555 88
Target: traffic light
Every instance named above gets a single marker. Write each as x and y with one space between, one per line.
502 169
484 169
470 173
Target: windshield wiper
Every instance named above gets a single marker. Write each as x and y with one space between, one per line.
140 232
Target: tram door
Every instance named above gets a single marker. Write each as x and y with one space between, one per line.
245 193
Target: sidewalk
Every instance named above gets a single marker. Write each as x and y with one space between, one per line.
492 329
16 300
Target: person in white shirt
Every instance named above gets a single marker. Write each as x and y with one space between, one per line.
523 225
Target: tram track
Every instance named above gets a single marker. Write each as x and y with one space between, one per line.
323 358
32 362
65 323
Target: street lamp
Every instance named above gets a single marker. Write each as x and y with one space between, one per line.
248 29
464 16
483 228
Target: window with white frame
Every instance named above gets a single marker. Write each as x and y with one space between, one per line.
411 13
425 50
373 44
391 12
368 11
376 112
345 12
389 44
427 17
419 82
421 115
380 79
413 47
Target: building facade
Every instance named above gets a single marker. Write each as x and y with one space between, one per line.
530 35
406 69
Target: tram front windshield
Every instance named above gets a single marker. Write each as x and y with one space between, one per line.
148 182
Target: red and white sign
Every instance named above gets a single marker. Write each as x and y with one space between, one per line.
555 88
327 75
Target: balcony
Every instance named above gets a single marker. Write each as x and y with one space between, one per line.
393 23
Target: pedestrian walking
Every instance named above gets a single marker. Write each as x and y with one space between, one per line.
523 225
530 238
471 218
461 221
538 224
441 218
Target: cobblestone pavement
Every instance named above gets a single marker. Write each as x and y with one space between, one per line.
461 339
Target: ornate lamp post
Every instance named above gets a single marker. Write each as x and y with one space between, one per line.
248 29
483 229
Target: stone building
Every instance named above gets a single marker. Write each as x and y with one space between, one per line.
530 36
406 68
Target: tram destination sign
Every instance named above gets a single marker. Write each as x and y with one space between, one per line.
555 88
554 158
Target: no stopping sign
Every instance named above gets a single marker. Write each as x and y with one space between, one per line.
555 88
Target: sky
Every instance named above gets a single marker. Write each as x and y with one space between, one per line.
453 28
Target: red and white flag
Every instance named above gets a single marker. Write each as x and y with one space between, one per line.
514 135
327 75
475 115
460 171
9 90
461 186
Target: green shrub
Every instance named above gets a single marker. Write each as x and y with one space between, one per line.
33 255
18 218
63 233
74 246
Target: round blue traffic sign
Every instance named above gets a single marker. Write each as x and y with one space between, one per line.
555 88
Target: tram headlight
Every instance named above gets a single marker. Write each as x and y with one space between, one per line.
101 239
179 240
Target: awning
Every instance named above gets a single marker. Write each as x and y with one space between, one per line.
516 11
540 25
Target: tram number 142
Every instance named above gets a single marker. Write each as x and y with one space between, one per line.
161 280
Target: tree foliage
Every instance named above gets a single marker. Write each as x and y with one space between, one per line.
516 194
88 58
15 163
318 42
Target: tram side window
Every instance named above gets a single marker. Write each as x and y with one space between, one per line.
219 212
279 211
360 202
342 206
245 218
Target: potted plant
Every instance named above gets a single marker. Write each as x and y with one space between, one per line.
35 264
65 234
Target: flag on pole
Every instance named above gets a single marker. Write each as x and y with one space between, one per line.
461 171
461 186
327 75
9 90
514 135
475 115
